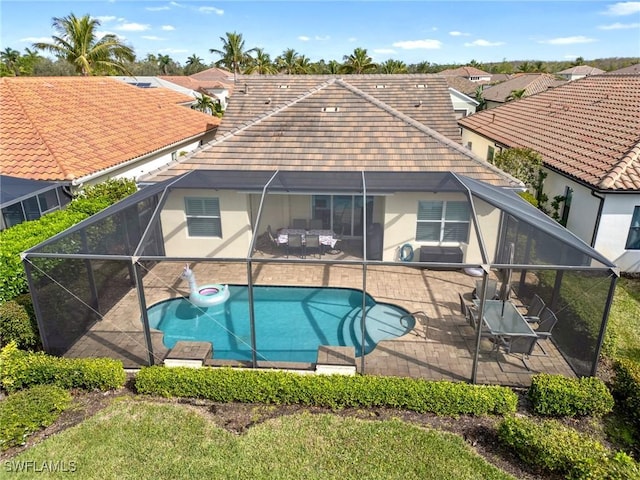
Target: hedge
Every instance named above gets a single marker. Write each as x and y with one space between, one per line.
334 391
557 395
556 448
25 412
16 326
20 369
626 388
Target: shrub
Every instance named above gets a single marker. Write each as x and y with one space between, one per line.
626 387
557 395
16 326
20 369
337 391
556 448
25 412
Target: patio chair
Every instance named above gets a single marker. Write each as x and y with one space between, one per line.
300 223
546 323
466 310
272 237
523 345
315 224
534 309
492 289
312 242
295 242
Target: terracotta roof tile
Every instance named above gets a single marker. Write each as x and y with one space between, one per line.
61 128
588 128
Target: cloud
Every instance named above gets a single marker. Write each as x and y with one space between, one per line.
168 28
619 26
459 34
483 43
151 37
352 39
133 27
173 50
383 51
425 44
322 39
105 18
100 34
303 38
36 39
176 4
157 9
568 40
215 10
622 8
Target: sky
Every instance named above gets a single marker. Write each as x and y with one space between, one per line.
438 32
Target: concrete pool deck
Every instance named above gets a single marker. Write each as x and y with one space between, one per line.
443 352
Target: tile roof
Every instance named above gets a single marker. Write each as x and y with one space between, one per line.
582 70
589 129
531 83
193 83
63 128
465 72
359 122
214 74
630 70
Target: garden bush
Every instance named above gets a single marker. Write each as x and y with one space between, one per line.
556 448
20 369
16 326
25 412
336 391
626 388
556 395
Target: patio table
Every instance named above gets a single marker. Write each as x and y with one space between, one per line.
327 237
509 323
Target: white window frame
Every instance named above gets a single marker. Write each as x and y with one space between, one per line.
634 229
442 222
214 216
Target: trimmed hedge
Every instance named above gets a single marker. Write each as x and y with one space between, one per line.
556 395
20 369
626 388
556 448
335 391
25 412
16 326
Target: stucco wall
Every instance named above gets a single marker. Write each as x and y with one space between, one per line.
614 229
236 229
479 144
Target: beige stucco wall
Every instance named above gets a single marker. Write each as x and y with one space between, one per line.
236 228
479 144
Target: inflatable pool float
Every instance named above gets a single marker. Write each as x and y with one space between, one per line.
205 295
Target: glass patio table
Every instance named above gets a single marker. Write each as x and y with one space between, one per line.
327 237
507 322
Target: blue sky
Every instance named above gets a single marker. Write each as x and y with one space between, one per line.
439 32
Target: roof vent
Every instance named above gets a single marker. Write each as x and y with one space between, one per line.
421 85
331 109
381 86
419 103
283 86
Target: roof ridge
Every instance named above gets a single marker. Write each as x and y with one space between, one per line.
621 167
34 125
426 129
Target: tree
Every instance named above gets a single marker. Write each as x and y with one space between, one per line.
76 42
578 61
516 94
286 62
479 97
358 62
393 66
526 67
163 63
261 63
10 58
205 104
525 164
234 56
194 65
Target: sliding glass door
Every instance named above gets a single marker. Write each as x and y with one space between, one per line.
344 214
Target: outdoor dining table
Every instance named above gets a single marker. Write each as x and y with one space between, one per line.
507 321
327 237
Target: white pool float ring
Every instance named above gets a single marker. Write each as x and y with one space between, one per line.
205 295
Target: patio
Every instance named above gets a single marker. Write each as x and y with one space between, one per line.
445 354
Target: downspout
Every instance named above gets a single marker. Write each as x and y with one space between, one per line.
596 227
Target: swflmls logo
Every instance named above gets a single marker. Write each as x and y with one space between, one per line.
52 466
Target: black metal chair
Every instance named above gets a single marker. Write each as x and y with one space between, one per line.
312 242
465 309
300 223
523 345
546 323
295 242
534 309
272 237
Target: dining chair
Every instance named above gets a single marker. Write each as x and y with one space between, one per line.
492 289
315 224
272 237
312 242
534 309
522 345
466 311
546 323
300 223
295 242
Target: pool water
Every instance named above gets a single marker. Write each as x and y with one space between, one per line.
290 322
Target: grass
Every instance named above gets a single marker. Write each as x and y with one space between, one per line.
134 439
625 315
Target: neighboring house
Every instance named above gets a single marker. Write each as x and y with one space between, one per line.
375 123
531 83
470 73
84 130
462 85
463 105
588 133
630 70
214 81
22 199
581 71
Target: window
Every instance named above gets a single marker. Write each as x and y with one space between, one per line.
490 153
442 221
203 216
633 239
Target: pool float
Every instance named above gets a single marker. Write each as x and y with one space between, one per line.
205 295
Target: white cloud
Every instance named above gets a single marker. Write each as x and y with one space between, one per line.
168 28
459 34
173 50
176 4
100 34
569 40
384 51
571 56
106 18
352 39
151 37
303 38
322 39
622 8
425 44
132 27
157 9
619 26
215 10
36 39
483 43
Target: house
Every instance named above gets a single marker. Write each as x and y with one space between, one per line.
630 70
581 71
588 134
529 83
472 74
22 199
84 130
463 105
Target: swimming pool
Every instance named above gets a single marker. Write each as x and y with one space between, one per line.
290 322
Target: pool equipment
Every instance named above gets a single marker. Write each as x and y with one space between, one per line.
406 253
205 295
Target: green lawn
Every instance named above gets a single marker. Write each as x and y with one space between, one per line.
134 439
625 315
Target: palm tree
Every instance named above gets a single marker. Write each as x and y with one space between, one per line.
234 56
78 44
287 61
205 104
194 65
358 62
393 66
526 67
516 94
163 63
261 64
11 59
482 103
334 67
303 65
